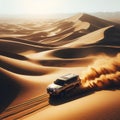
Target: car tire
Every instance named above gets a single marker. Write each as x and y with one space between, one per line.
76 86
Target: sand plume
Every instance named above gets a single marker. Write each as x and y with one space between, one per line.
103 73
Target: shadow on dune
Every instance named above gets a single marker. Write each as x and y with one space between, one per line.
13 55
96 23
73 95
20 70
18 47
65 28
9 90
85 51
71 37
111 37
67 63
81 92
24 41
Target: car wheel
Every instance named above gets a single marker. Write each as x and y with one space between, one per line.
76 86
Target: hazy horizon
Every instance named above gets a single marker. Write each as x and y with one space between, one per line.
48 7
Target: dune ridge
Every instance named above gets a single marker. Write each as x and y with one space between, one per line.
77 26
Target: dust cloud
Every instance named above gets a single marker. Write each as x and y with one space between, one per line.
104 73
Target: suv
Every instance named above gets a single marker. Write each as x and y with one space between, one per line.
64 84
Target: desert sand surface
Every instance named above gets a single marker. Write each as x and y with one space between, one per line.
33 55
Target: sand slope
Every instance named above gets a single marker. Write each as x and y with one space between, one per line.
82 44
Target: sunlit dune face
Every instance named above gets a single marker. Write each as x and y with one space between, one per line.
35 7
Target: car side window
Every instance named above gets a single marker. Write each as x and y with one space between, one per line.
71 80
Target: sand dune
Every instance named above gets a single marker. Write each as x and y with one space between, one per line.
20 88
77 25
89 107
85 51
82 44
90 38
111 37
23 41
23 67
18 47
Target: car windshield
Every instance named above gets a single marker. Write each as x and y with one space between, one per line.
59 82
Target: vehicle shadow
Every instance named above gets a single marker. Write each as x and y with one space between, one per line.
76 94
70 96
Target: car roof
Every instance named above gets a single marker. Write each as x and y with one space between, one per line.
67 76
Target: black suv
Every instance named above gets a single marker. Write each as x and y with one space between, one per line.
64 84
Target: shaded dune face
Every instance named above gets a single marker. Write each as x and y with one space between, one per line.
68 45
23 67
111 37
18 47
85 51
67 62
15 39
62 28
9 89
96 23
13 55
107 36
